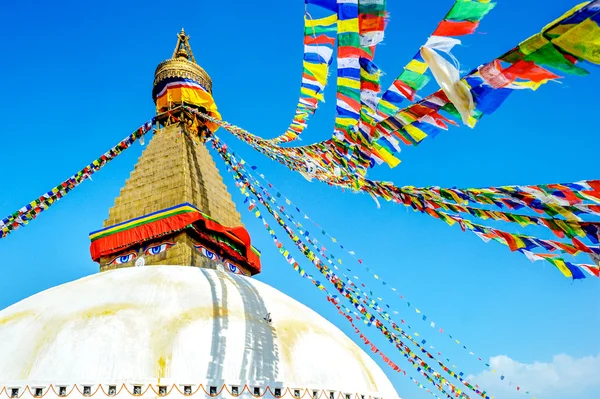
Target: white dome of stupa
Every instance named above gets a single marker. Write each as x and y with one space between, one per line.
177 330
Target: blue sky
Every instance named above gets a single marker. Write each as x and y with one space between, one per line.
78 78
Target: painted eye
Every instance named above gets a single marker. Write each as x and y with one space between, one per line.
159 248
119 260
235 269
206 252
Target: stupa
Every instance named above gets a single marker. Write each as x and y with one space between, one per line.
174 310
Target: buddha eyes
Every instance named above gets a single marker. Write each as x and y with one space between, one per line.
206 252
229 266
234 269
151 250
119 260
158 248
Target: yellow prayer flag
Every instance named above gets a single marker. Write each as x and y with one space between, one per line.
560 29
533 44
472 121
560 265
311 93
583 41
346 82
327 21
384 154
346 121
455 197
348 26
319 71
417 66
414 132
449 220
371 76
388 105
531 84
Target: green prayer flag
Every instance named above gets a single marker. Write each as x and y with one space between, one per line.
415 80
549 56
467 10
349 39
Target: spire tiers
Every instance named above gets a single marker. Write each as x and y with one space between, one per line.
174 169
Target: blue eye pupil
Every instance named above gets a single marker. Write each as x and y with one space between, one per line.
124 258
155 250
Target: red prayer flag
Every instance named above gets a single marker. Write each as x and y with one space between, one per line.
510 240
571 249
528 70
580 246
321 39
349 52
405 89
365 85
355 105
371 23
595 184
454 28
419 110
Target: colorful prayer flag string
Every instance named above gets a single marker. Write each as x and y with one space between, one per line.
318 55
489 85
30 211
397 194
349 292
330 298
323 251
343 159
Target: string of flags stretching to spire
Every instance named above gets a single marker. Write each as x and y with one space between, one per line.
428 372
30 211
249 186
332 259
553 199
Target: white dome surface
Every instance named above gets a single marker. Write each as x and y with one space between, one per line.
164 325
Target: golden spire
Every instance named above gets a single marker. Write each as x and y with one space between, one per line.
174 171
182 65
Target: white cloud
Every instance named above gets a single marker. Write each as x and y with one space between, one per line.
562 378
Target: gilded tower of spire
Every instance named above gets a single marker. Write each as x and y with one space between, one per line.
175 169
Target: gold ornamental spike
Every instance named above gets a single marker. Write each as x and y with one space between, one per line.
183 48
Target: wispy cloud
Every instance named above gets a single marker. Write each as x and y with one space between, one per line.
563 377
